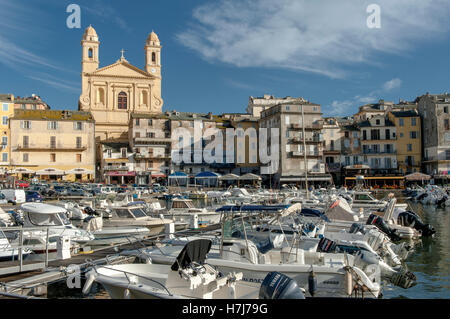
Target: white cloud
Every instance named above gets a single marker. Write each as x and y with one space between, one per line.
392 84
314 36
350 106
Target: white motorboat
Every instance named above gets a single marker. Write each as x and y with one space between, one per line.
188 278
183 210
55 218
7 251
136 216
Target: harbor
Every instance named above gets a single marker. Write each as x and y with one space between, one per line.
322 219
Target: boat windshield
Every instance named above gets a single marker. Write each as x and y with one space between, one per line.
122 213
48 219
138 212
365 197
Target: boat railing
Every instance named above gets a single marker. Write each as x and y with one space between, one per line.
127 274
20 247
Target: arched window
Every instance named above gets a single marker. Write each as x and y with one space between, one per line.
153 57
122 101
90 54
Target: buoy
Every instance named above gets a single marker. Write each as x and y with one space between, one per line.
312 283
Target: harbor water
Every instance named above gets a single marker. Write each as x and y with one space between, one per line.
430 261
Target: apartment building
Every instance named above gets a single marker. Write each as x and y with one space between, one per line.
53 145
408 143
378 140
332 141
6 111
150 141
300 138
435 116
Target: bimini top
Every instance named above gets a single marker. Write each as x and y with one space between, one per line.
252 208
40 208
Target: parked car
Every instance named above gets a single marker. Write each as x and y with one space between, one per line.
3 199
33 196
77 192
14 196
22 184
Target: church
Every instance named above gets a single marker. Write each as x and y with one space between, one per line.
114 92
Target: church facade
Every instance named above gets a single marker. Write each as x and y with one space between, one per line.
112 93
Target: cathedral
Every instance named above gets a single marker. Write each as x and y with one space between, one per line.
113 92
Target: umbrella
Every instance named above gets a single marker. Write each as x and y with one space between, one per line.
417 177
229 177
250 177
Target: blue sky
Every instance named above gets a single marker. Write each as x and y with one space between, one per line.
218 53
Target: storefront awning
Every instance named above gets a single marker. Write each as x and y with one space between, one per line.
50 171
22 170
158 175
80 171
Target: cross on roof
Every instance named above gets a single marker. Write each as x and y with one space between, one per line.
122 53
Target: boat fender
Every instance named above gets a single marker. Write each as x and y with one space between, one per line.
126 294
90 277
348 281
278 286
312 283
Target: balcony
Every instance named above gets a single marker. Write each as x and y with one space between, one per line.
152 156
152 140
308 139
49 148
308 126
379 152
378 139
115 168
308 154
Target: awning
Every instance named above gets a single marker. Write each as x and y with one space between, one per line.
22 170
229 177
80 171
379 177
207 175
121 174
50 171
417 176
178 175
158 175
250 177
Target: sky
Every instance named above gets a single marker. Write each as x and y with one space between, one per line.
217 53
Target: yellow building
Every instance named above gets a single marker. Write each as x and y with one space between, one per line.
409 142
53 145
113 92
7 110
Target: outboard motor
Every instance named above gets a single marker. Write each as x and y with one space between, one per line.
326 245
411 219
88 210
441 202
355 228
383 226
18 219
279 286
